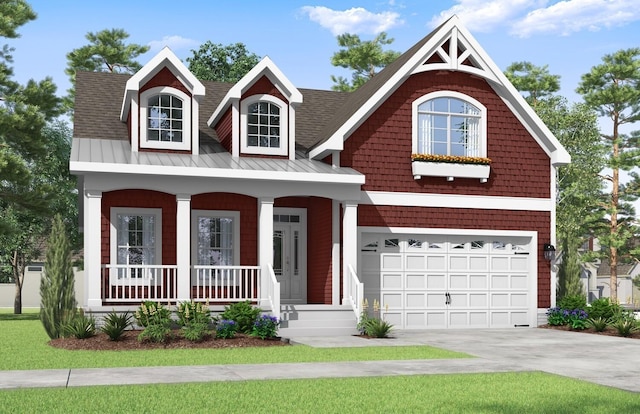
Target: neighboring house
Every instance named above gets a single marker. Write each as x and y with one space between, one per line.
627 293
260 190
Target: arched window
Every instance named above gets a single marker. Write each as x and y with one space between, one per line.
449 123
165 119
264 125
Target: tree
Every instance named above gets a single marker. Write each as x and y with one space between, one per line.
106 52
536 80
215 62
613 90
362 57
58 302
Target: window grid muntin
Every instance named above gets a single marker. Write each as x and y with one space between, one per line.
135 242
165 115
215 241
439 117
263 125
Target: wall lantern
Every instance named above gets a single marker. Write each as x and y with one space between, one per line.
549 251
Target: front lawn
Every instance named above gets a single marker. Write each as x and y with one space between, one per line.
24 346
531 392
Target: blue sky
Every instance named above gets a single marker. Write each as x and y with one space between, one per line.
569 36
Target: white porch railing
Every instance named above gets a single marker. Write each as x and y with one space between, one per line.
135 283
273 292
356 293
226 283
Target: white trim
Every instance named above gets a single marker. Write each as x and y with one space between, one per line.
113 231
335 252
187 132
265 239
284 126
449 94
234 215
350 248
183 246
456 201
93 247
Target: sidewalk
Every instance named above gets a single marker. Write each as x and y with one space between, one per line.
604 360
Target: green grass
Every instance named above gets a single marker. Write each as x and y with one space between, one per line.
463 393
24 346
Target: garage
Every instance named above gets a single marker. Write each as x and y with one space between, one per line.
439 281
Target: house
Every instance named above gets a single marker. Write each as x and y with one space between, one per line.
627 293
430 188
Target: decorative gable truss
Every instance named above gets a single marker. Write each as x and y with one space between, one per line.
161 104
262 107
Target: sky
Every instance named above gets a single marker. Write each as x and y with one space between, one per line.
569 36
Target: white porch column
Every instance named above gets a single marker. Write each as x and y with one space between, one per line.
335 252
92 248
349 245
265 239
183 246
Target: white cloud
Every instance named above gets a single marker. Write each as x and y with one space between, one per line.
570 16
484 16
174 42
356 20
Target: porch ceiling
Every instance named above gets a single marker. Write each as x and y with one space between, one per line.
115 156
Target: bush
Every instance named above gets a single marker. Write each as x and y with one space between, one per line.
195 331
377 328
81 326
243 314
598 324
603 308
226 329
625 327
571 302
152 313
556 317
265 327
115 324
193 313
155 333
577 319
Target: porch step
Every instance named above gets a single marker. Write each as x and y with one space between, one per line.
316 320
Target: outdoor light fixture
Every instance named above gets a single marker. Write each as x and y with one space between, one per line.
549 251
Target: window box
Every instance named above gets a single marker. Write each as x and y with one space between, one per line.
450 170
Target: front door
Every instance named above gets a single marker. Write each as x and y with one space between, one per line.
289 254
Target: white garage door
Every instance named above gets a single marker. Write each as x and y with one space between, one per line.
438 281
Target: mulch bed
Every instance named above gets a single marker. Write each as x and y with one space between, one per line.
609 331
129 341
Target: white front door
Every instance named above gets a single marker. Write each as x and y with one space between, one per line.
289 253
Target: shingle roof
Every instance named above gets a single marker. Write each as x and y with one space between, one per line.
99 100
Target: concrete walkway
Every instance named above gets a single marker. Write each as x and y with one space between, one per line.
604 360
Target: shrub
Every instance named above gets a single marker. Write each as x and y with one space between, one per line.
80 327
115 324
556 317
155 333
571 302
193 313
195 331
243 314
577 319
378 328
625 327
603 308
152 313
226 329
598 324
265 327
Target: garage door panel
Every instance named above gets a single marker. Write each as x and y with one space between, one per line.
452 281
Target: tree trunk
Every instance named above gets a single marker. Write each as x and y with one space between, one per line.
18 267
615 188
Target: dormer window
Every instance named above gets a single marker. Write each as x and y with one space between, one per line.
264 125
165 119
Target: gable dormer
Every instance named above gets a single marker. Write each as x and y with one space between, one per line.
257 115
161 106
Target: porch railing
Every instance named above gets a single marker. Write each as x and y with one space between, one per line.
273 292
356 293
135 283
226 283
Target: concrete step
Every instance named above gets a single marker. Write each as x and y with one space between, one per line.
312 331
317 320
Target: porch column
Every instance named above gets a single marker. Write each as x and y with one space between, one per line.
183 246
349 245
265 240
92 248
335 252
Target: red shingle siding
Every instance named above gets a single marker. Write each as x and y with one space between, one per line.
165 78
264 86
381 147
319 245
142 199
248 208
462 218
224 129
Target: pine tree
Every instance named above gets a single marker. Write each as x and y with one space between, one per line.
58 302
569 283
